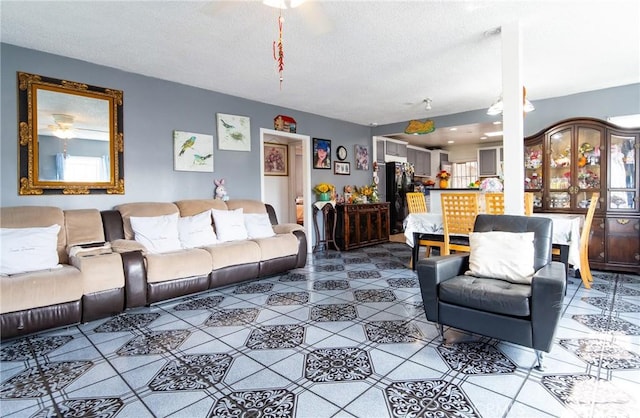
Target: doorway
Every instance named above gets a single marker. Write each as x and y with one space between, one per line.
284 192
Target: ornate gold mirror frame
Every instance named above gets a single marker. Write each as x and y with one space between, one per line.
70 137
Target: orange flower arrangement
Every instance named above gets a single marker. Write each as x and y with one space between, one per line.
444 175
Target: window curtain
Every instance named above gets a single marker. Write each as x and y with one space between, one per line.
60 157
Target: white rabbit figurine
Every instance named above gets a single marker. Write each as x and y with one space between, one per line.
221 191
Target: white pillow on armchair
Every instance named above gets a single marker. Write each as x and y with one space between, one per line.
502 255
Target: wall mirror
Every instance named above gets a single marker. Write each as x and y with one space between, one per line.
70 137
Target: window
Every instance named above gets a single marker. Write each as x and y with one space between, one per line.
85 169
463 173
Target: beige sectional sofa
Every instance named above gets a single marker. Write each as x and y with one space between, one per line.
104 270
161 276
88 282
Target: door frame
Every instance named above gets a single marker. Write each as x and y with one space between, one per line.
292 140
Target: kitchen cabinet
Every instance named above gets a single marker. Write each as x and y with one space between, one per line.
361 225
421 160
490 162
395 150
568 162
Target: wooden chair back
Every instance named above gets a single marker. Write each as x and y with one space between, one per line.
585 270
459 211
494 203
416 202
528 203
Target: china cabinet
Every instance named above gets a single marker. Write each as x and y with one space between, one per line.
360 225
567 162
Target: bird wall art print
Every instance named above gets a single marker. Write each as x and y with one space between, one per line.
192 152
234 132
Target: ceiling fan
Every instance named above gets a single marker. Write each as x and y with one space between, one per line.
64 128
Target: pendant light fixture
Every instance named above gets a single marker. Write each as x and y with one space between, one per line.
498 106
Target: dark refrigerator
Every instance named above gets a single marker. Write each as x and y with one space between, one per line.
399 181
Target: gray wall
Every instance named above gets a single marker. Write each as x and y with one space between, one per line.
153 109
614 101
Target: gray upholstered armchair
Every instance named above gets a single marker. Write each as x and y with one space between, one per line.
524 314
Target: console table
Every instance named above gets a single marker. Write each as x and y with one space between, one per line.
360 225
328 235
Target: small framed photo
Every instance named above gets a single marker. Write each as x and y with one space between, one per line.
362 157
321 153
341 168
275 159
234 132
192 152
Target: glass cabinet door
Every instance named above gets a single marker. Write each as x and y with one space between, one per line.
622 169
560 163
589 143
533 172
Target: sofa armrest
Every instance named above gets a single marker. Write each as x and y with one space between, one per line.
434 270
127 245
135 276
286 228
547 296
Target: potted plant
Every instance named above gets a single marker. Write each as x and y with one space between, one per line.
323 191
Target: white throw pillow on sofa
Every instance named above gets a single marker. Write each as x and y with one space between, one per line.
159 234
229 224
196 231
258 225
28 249
502 255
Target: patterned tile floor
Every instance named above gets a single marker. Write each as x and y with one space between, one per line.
346 336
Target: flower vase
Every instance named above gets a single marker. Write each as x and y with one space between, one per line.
444 184
324 197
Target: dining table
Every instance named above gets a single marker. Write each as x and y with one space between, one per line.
566 233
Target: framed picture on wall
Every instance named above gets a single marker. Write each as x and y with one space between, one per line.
321 153
192 152
362 157
275 159
341 168
234 132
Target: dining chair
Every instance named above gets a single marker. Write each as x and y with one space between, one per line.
459 211
585 234
416 204
494 203
528 203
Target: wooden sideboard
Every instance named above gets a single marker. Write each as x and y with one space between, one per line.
361 225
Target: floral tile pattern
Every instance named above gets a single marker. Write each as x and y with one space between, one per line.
127 322
428 398
476 358
402 282
156 342
232 317
33 347
374 295
604 323
192 372
601 353
38 380
364 274
331 285
203 303
333 312
275 403
616 305
92 407
276 336
389 332
290 298
345 335
337 364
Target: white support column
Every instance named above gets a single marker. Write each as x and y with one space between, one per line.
512 119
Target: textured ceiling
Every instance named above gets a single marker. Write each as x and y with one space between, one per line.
359 61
